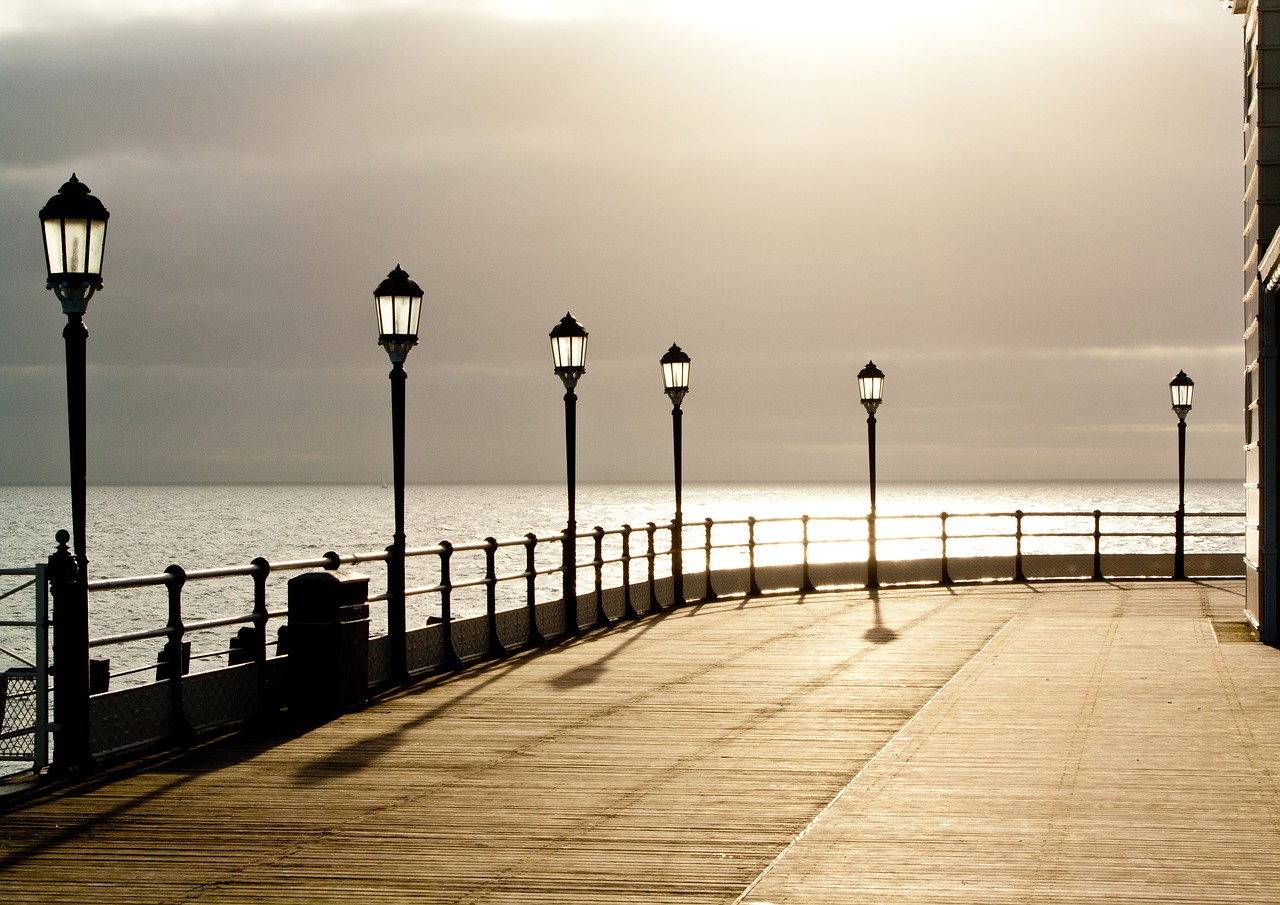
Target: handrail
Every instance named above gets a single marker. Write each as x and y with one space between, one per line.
523 583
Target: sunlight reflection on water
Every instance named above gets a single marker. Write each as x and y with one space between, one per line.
139 530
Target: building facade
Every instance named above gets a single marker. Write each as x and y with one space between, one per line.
1261 300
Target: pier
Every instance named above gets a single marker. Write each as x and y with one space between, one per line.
1024 742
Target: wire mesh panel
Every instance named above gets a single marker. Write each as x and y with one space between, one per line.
18 714
513 628
221 696
471 637
127 719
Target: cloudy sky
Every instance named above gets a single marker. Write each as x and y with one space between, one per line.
1028 214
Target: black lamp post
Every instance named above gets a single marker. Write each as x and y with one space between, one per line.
569 357
871 392
398 303
1181 389
675 380
75 228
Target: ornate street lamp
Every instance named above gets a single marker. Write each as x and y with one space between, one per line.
871 392
675 381
1181 389
74 224
398 304
569 357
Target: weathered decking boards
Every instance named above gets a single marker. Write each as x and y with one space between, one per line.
1087 742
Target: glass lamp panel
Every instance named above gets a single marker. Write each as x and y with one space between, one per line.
870 389
53 246
415 314
97 240
383 304
569 352
400 314
76 243
675 374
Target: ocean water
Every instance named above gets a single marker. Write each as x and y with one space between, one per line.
136 530
140 530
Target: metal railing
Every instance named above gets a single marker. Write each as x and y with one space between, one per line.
503 574
489 588
24 689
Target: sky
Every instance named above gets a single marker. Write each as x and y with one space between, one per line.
1027 214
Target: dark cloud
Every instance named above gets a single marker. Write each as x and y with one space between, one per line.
783 215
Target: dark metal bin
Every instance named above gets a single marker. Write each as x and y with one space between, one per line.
328 643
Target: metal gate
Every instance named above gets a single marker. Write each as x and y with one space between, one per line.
24 670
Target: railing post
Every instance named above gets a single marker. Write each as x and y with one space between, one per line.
450 658
806 586
710 593
1097 545
628 605
496 647
753 589
261 570
71 751
654 605
597 566
179 726
1018 574
42 669
946 565
531 589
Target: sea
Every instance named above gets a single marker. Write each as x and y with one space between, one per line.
141 529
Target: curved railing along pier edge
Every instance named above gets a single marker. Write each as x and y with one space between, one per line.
628 576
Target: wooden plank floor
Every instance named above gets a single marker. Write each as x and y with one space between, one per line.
1066 742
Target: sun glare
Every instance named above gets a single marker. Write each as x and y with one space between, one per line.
806 18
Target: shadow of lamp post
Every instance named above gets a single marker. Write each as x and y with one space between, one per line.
398 304
871 392
1181 389
569 357
75 229
675 380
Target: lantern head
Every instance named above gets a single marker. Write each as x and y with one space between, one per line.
675 374
1181 389
398 304
569 350
75 230
871 387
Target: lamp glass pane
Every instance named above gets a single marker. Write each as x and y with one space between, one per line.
415 314
675 374
97 239
386 318
402 310
76 238
568 352
53 245
870 388
1181 394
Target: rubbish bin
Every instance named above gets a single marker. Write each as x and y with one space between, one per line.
328 664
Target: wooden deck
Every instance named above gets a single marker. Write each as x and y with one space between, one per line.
1082 742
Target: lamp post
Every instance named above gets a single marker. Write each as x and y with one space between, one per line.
675 380
1181 389
398 304
871 392
74 223
569 357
